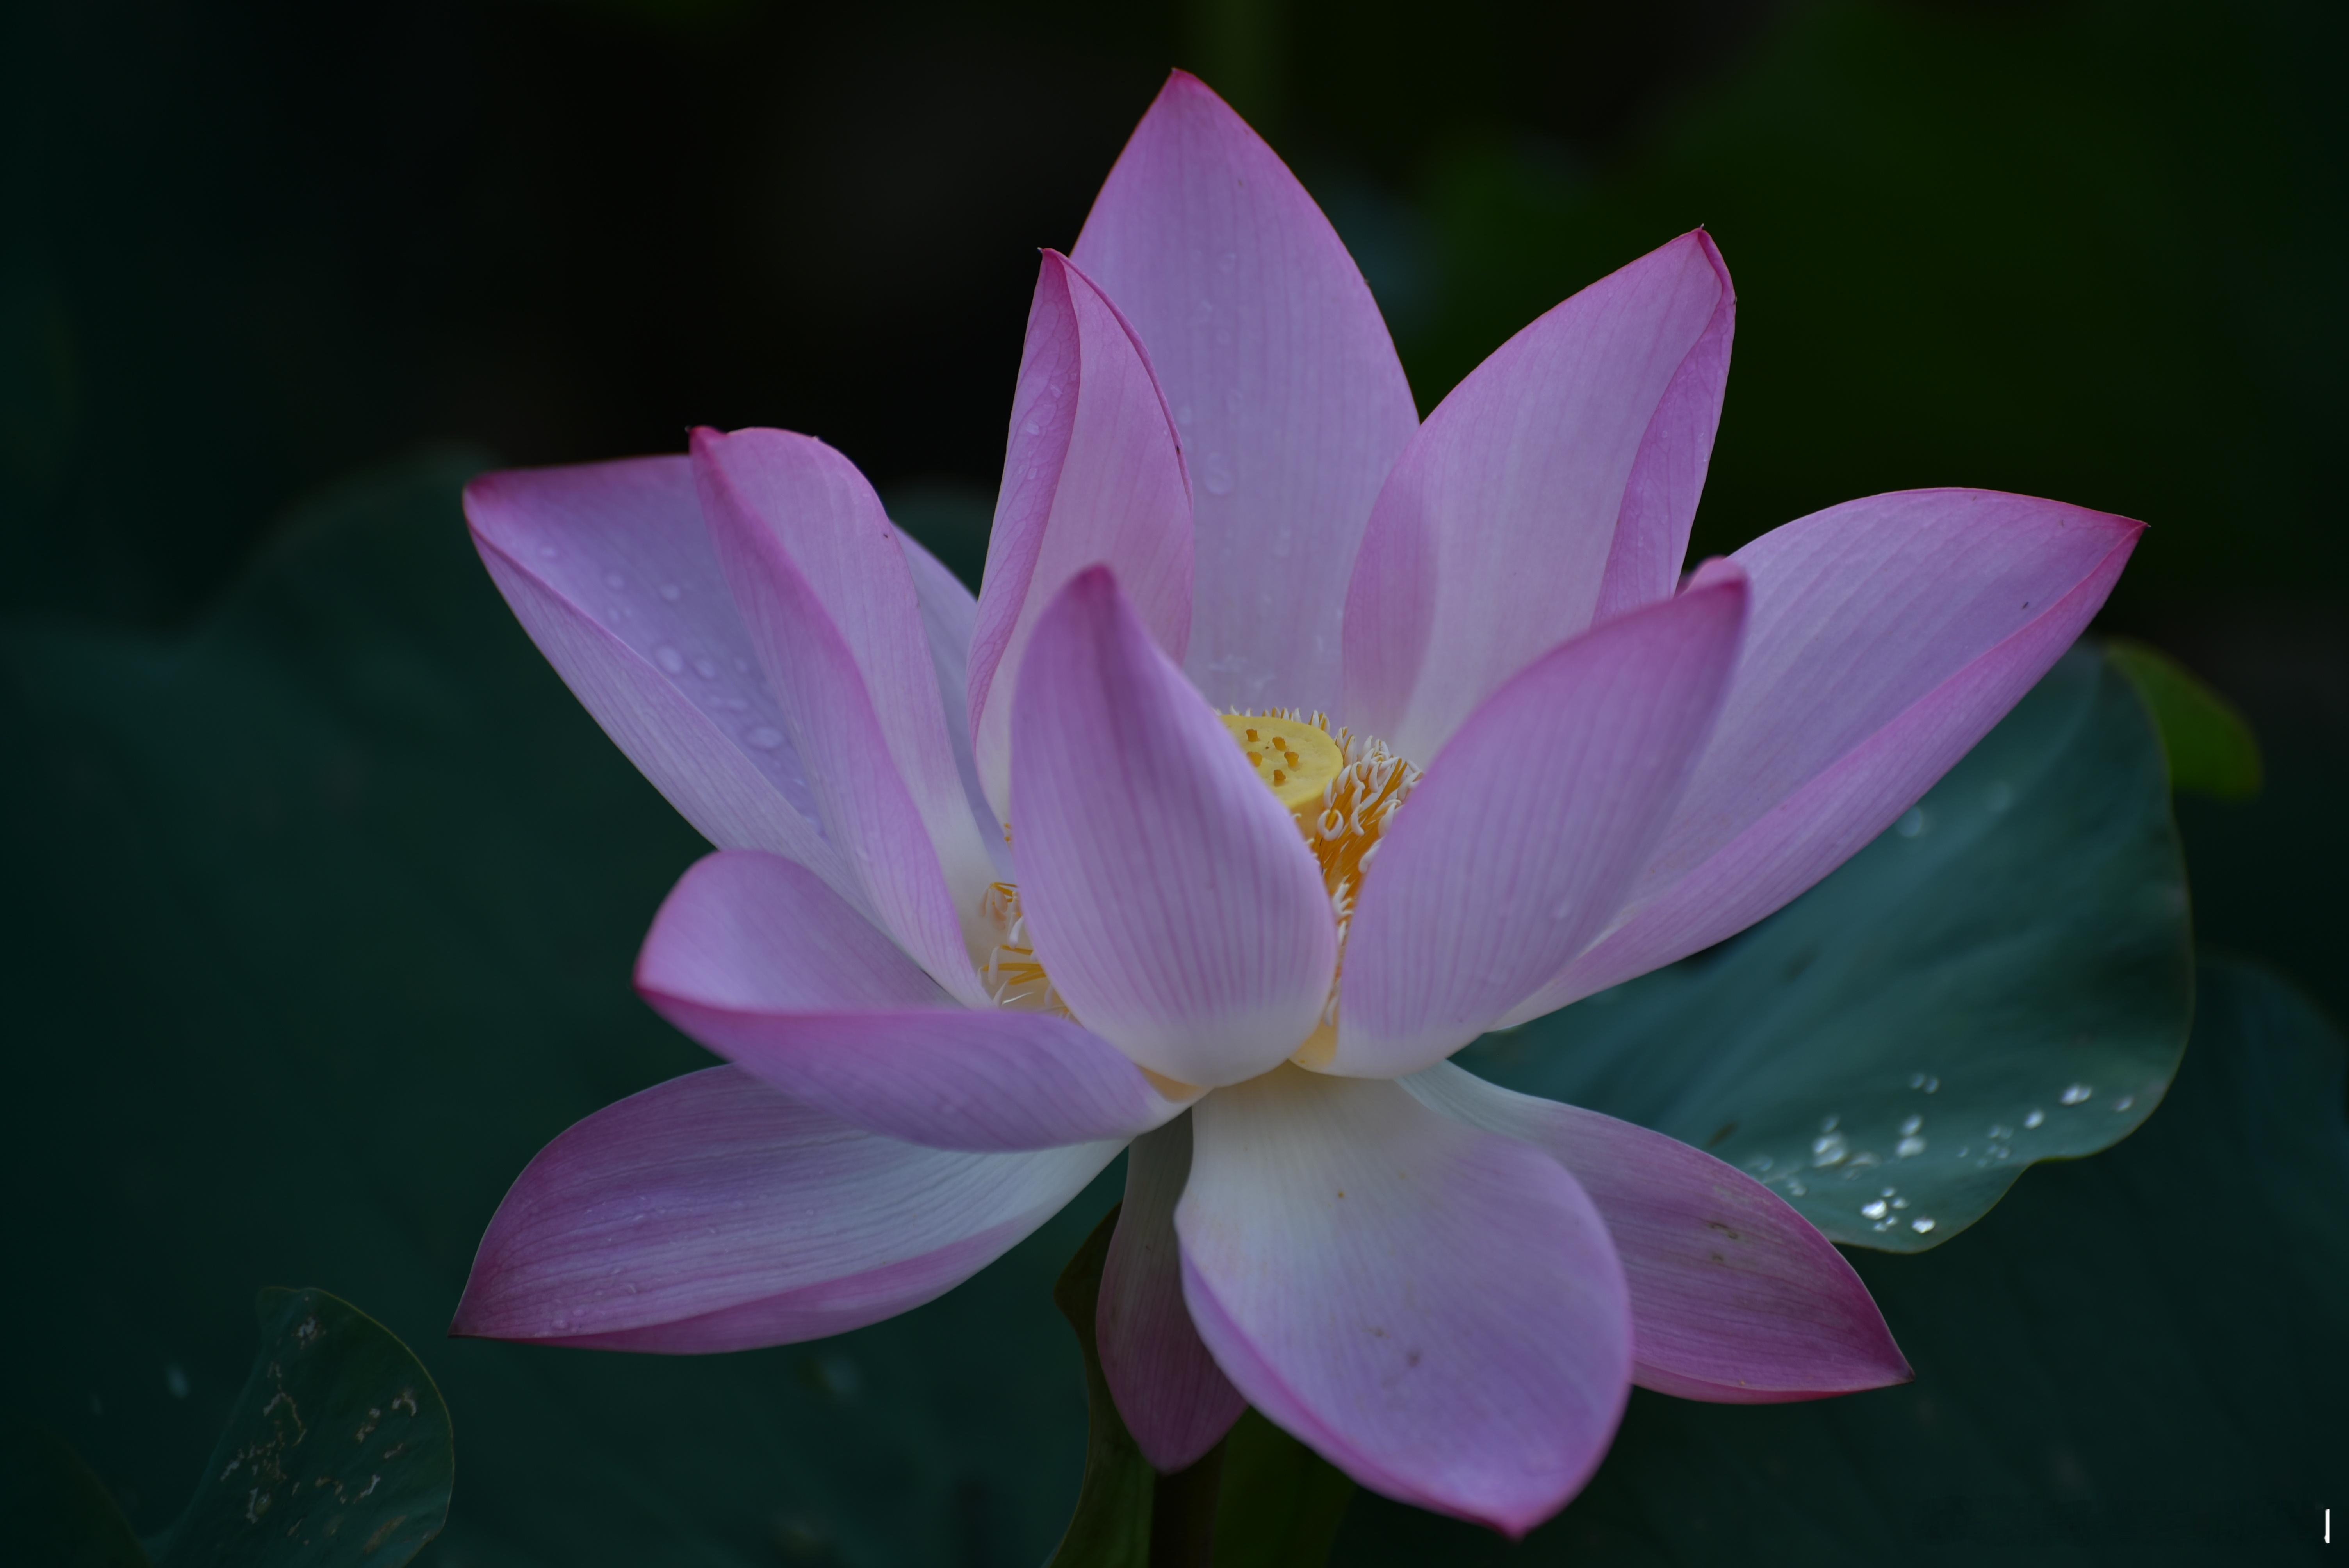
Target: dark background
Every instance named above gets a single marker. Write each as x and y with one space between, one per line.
247 251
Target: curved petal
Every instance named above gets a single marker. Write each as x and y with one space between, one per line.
609 569
818 576
1525 837
759 961
1285 387
1175 1401
1560 476
1171 897
948 615
1888 637
1735 1298
711 1212
1092 475
1436 1310
1652 531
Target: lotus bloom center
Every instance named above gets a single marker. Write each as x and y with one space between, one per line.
1342 789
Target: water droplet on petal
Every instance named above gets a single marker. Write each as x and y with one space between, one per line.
1215 474
1874 1211
2077 1093
670 659
766 738
2036 1118
613 580
672 592
1920 1224
1910 1148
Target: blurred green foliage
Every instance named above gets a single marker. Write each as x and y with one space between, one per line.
2209 747
2004 976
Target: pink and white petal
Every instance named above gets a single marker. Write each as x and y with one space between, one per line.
754 931
712 1212
1651 532
948 615
1285 387
1175 1401
822 585
758 959
1435 1310
1526 835
1091 476
1169 895
609 569
1889 635
1735 1298
945 1077
1502 529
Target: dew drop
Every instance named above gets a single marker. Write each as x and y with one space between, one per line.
706 669
670 659
1920 1224
1911 823
766 738
672 592
1215 474
2036 1118
1910 1148
2077 1093
1999 796
1913 1126
613 580
1874 1211
2125 1101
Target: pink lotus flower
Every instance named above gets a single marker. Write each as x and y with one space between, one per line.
1006 886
